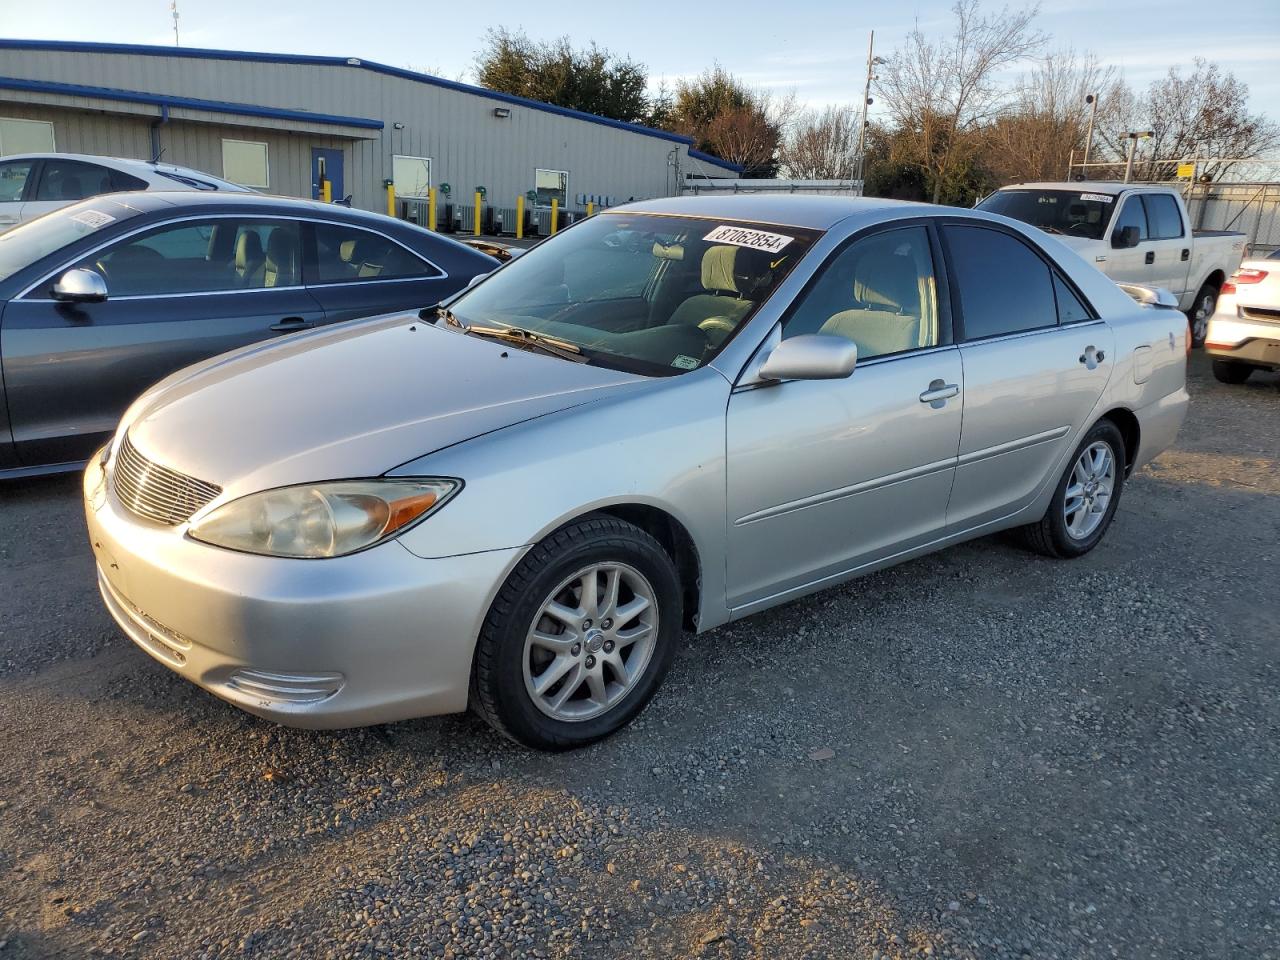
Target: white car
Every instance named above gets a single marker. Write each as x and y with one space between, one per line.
32 184
1244 332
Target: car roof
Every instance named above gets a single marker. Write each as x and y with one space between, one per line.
153 201
810 211
1089 186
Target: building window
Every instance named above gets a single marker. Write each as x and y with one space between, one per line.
245 162
412 177
25 136
550 185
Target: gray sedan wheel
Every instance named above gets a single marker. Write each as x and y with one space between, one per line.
1086 497
579 637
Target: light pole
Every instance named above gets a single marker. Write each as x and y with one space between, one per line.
1134 136
872 61
1092 101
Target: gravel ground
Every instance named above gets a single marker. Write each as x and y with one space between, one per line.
979 754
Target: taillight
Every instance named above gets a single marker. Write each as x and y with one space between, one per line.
1243 277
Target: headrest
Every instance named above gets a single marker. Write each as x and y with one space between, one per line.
885 278
70 188
717 269
248 250
668 251
282 249
368 250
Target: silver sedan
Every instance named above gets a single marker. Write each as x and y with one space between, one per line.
667 417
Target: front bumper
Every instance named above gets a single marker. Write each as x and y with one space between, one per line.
373 637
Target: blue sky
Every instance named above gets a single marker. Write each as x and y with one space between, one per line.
816 48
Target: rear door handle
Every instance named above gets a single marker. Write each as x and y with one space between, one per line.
1151 256
939 392
1186 254
291 323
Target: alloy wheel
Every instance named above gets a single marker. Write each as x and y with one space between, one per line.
1089 491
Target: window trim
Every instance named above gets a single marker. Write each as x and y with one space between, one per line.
429 161
266 151
1054 271
546 206
304 224
941 283
311 259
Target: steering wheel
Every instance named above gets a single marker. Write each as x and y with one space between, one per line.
1076 227
714 325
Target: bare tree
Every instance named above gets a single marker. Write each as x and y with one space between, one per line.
940 93
822 145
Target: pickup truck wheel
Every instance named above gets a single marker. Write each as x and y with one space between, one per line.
579 637
1085 499
1206 303
1228 371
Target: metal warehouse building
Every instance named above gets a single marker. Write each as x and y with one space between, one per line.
280 122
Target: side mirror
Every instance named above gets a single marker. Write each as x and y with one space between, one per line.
80 286
1125 237
1150 296
811 356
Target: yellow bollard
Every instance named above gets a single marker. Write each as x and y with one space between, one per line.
555 209
326 190
391 199
520 217
591 208
431 209
477 228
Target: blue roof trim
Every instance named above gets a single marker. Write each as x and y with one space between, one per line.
166 102
709 158
199 53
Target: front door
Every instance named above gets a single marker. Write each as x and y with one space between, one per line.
177 294
1035 363
326 163
825 476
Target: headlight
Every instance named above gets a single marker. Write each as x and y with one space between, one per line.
323 519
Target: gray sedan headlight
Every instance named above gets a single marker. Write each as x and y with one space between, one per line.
324 519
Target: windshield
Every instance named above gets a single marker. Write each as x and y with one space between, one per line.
657 295
32 241
1073 213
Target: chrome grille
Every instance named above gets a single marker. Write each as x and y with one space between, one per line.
156 492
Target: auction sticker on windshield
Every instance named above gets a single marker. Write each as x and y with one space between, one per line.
1100 197
93 219
754 239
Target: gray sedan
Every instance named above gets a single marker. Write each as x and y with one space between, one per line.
665 418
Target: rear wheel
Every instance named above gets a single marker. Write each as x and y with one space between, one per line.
1086 497
1228 371
1206 303
579 637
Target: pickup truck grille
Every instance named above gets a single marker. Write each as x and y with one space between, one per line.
155 492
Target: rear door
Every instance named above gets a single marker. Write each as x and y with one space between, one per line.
1168 243
1036 360
353 271
177 293
17 179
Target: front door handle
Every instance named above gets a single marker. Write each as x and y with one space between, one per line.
1092 356
939 393
1186 254
291 323
1151 256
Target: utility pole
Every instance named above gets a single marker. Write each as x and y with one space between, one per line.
1134 136
1092 100
872 60
173 5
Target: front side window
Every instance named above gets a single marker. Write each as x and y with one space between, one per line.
1163 219
202 256
550 185
347 254
13 179
412 177
879 292
1073 213
1132 214
72 180
653 294
1004 286
245 162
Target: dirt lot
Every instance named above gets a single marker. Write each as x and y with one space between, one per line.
1023 758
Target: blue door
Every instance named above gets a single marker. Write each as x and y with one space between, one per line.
326 162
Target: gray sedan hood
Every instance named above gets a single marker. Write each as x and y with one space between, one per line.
350 401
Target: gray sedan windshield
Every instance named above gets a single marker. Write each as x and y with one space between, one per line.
655 294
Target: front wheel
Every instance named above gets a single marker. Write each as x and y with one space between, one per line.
1228 371
1085 499
579 637
1206 303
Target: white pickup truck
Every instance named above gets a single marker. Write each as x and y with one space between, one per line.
1134 233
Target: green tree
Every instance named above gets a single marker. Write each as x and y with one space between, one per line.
592 79
728 119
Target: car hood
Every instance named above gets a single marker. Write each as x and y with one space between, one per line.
350 401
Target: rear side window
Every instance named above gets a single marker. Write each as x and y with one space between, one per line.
1132 214
13 178
72 180
1004 286
1164 222
1070 308
121 182
346 254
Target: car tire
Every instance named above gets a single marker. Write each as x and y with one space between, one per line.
1064 533
1228 371
510 658
1202 309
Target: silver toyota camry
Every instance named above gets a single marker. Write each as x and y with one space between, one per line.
669 416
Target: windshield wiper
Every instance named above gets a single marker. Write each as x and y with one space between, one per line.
556 347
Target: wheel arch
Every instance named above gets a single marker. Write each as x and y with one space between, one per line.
675 540
1215 279
1130 431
